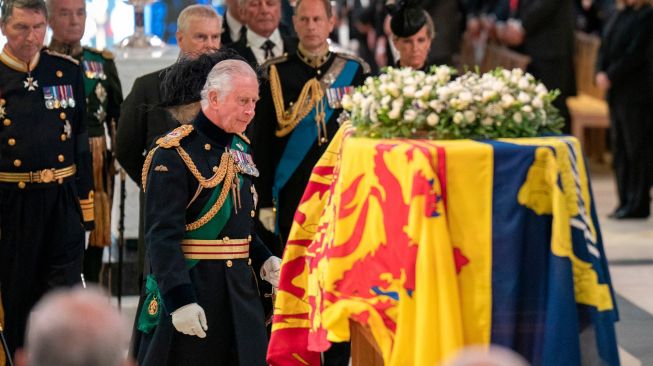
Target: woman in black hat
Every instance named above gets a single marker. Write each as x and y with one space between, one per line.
412 32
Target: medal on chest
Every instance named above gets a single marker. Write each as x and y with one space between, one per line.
244 162
30 83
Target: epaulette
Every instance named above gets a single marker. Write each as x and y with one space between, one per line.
350 56
173 137
273 61
104 53
57 54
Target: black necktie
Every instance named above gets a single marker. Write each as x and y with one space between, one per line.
242 33
267 47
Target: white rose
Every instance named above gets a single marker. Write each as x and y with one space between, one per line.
357 98
488 95
426 89
527 109
523 97
458 118
541 89
432 119
398 103
409 91
487 121
517 118
347 103
537 103
470 116
410 115
523 83
466 97
507 100
394 113
498 86
436 105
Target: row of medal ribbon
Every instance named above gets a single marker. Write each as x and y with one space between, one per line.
58 96
94 70
245 162
334 95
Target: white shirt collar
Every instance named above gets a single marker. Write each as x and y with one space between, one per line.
234 27
255 41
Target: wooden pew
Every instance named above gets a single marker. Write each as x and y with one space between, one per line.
588 109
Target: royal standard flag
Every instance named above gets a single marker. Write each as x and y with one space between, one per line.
434 245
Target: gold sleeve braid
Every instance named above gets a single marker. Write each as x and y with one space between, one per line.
309 97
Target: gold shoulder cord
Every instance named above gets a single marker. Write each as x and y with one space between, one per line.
226 173
146 167
310 96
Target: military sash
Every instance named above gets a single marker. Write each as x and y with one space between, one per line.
304 136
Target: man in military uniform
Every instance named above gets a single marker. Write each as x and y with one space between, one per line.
103 98
141 119
46 196
287 146
201 301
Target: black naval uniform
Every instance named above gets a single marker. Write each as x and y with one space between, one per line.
103 99
224 285
46 196
294 71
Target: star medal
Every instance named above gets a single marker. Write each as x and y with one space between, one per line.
100 114
254 195
63 100
30 83
100 93
68 129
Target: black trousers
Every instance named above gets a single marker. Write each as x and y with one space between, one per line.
41 247
631 133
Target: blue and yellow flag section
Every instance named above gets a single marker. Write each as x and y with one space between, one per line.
434 245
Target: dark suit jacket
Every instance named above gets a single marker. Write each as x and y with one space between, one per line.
625 56
225 36
141 122
449 20
549 40
289 47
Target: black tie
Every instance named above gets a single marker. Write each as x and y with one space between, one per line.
267 47
242 33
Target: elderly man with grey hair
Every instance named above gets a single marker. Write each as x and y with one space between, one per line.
201 305
264 38
75 327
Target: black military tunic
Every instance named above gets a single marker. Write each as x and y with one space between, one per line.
175 208
103 95
271 151
46 196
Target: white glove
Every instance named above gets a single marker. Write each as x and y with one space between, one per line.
271 270
190 319
267 217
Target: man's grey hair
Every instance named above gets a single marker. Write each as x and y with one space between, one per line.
8 7
76 327
197 10
223 76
